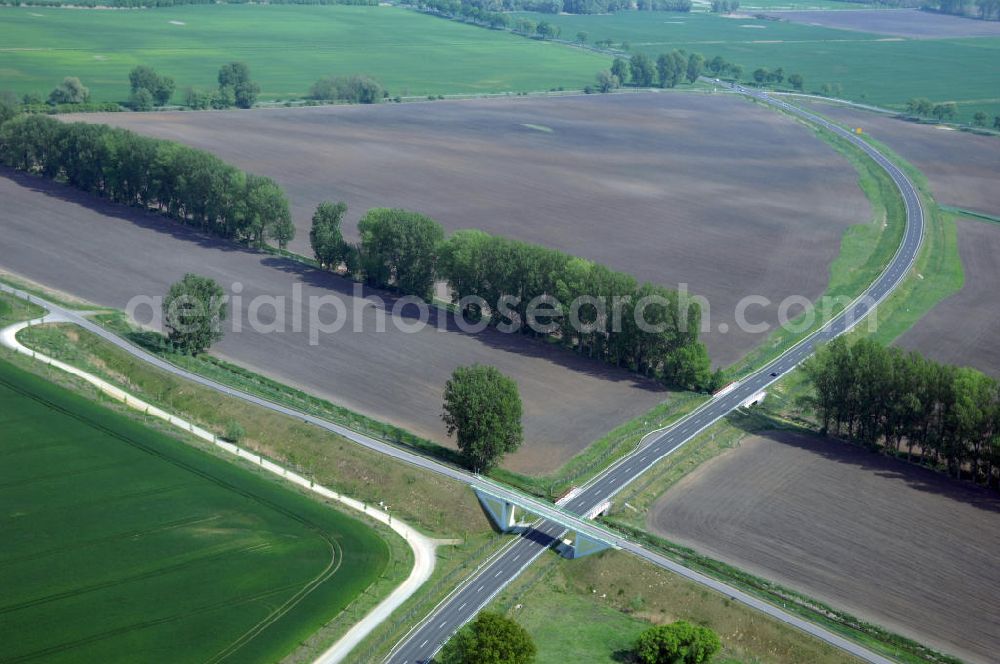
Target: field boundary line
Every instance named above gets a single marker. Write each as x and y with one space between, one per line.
423 547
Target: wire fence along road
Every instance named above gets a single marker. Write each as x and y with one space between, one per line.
424 642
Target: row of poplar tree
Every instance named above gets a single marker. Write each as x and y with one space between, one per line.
892 399
580 304
189 185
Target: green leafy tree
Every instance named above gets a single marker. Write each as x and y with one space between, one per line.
606 81
996 121
695 65
761 76
945 111
796 81
160 88
621 69
399 249
689 367
141 100
677 643
326 238
355 89
235 83
234 432
671 68
581 37
10 106
643 70
545 30
524 26
70 91
193 312
492 638
979 119
919 106
482 409
716 65
189 185
281 229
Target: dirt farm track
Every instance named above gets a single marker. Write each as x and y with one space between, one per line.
706 190
898 545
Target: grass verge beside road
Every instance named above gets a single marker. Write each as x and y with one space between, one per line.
605 600
440 507
871 636
865 251
455 563
605 450
597 456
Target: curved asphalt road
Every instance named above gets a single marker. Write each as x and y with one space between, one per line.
425 640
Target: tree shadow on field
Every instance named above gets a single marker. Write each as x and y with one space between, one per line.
141 217
440 320
870 461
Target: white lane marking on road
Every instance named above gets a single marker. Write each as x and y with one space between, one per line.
479 589
424 643
463 606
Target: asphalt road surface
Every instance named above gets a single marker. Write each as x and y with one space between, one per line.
421 644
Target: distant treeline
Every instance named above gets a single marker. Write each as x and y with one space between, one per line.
888 3
86 107
485 11
146 4
988 10
887 398
187 184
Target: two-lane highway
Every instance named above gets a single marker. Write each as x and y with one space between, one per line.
426 639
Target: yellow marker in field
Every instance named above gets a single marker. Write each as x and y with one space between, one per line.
857 130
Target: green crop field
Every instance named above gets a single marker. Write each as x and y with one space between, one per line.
869 67
121 543
287 47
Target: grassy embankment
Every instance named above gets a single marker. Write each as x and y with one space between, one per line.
107 511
